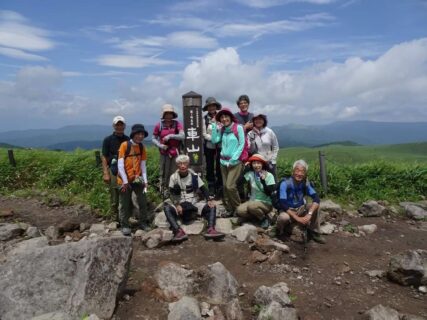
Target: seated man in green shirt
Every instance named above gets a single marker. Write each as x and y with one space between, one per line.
262 184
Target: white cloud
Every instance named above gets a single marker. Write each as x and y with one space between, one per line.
130 61
355 89
275 27
17 33
143 52
20 54
108 28
274 3
388 88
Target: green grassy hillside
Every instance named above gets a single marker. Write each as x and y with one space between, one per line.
355 174
397 153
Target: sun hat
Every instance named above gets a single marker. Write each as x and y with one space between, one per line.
168 108
226 111
257 157
262 116
138 128
209 101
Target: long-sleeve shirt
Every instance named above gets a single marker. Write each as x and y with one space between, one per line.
132 165
265 143
231 145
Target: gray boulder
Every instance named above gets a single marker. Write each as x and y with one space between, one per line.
156 238
274 311
379 312
328 228
233 311
372 209
277 293
33 232
73 278
52 233
409 268
244 233
9 231
328 207
217 284
415 212
186 308
224 225
54 316
174 281
368 228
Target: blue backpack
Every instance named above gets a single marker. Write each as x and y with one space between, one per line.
275 195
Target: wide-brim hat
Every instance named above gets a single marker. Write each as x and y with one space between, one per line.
169 108
138 128
257 157
226 111
262 116
210 101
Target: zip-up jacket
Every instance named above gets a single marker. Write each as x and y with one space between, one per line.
265 143
231 146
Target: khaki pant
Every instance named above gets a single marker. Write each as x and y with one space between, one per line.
253 209
230 175
167 168
126 205
285 220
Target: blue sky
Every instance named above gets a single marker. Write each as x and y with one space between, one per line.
300 61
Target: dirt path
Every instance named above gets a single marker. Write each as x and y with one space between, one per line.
329 282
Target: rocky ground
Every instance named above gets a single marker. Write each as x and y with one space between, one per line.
342 279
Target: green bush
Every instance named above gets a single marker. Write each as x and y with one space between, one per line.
75 178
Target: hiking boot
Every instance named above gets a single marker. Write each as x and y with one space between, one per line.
227 214
144 226
126 231
213 234
179 236
316 237
265 223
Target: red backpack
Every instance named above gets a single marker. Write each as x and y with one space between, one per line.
245 152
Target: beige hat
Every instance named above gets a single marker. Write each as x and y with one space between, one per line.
169 108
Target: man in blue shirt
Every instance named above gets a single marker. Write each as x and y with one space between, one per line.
294 207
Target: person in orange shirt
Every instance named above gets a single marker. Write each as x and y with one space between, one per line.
132 177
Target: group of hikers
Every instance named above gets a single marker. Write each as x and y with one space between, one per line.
240 152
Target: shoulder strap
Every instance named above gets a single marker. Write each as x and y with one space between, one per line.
129 147
195 181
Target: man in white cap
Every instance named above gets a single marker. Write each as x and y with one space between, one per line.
110 150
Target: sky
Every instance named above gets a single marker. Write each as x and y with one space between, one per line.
300 61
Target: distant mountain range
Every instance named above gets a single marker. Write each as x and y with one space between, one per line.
357 132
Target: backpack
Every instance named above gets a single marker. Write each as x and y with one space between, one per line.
245 152
275 195
181 147
114 163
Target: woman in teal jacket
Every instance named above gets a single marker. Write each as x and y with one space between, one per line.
232 138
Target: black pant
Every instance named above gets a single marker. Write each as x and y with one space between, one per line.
213 169
189 212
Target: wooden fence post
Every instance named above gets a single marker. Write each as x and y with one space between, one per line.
323 175
11 158
98 158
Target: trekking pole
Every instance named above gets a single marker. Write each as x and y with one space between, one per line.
305 238
162 185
